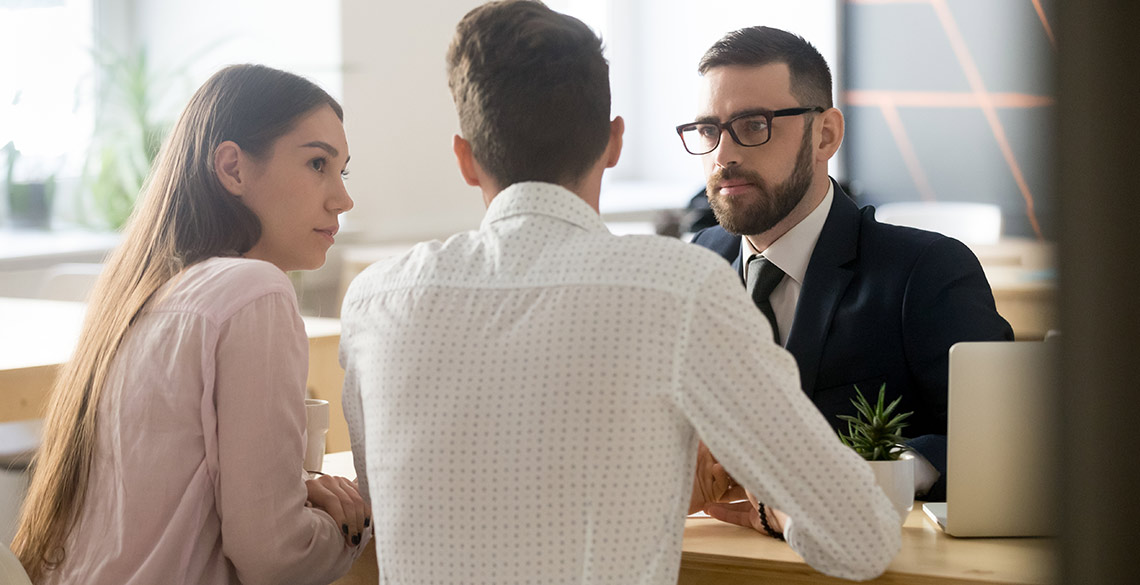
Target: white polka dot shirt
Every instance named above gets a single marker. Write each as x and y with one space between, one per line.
525 402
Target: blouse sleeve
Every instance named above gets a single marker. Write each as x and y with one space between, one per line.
267 532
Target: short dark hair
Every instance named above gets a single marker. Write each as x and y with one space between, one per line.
532 91
762 45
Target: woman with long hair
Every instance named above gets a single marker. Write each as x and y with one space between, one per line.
173 438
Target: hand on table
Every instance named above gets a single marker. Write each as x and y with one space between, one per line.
710 482
740 507
339 497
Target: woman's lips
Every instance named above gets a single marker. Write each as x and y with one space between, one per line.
329 233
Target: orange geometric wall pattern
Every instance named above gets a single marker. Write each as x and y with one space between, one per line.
951 100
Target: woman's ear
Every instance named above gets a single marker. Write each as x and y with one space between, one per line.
227 166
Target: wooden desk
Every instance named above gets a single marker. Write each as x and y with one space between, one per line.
717 553
37 336
714 552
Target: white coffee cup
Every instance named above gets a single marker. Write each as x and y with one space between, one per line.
316 427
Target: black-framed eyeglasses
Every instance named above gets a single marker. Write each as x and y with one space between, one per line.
749 129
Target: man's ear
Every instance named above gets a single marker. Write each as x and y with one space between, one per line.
830 133
228 167
613 148
466 160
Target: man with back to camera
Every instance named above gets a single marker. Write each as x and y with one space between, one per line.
525 399
858 303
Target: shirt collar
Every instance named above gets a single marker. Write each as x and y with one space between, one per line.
792 252
535 198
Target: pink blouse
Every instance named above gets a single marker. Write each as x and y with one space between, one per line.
197 476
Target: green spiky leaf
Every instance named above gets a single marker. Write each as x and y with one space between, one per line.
876 432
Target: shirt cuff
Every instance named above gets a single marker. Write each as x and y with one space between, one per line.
925 474
787 529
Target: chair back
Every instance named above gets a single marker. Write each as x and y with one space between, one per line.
19 441
969 223
70 281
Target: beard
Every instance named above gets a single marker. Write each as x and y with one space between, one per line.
761 214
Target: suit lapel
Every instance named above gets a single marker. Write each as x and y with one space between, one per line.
825 281
723 243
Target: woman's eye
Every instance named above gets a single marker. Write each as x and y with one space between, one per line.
318 164
344 174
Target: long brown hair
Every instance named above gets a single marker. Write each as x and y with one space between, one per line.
184 216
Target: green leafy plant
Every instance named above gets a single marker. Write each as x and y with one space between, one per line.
130 126
875 433
127 134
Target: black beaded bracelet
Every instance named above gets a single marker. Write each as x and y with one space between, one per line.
767 527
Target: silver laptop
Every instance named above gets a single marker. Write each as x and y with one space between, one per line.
1002 432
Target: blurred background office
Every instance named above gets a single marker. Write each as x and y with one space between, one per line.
1020 108
947 104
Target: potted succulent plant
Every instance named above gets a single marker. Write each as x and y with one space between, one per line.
875 434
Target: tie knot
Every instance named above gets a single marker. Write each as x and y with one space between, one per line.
763 276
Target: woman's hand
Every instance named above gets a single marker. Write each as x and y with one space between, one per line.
339 497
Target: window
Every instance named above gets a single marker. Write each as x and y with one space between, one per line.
46 94
80 76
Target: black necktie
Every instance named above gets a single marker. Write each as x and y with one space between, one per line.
763 276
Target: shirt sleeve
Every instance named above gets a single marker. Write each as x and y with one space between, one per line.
741 392
353 409
267 532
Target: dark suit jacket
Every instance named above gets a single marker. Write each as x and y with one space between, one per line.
883 304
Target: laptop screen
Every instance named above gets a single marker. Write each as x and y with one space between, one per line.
1001 454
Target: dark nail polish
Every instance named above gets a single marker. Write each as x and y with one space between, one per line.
367 521
344 527
355 539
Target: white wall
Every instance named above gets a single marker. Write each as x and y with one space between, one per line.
200 37
400 120
391 81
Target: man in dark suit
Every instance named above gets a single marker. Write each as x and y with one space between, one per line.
859 303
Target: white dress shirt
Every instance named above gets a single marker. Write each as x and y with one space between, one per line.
196 477
525 402
791 253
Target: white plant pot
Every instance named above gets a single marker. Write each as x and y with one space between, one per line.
896 478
